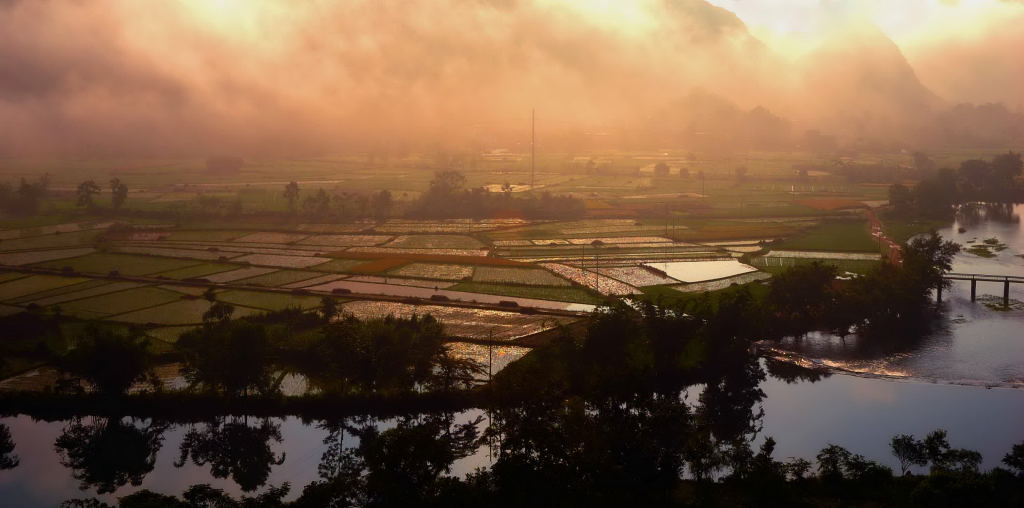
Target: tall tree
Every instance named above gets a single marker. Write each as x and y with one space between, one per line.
118 193
7 458
107 359
85 193
228 356
291 194
381 204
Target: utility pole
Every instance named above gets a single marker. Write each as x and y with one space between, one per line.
533 148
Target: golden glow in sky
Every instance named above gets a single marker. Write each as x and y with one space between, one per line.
907 22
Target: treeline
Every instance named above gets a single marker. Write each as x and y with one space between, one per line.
25 198
449 198
339 355
995 181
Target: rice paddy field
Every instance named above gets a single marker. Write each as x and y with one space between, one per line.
155 272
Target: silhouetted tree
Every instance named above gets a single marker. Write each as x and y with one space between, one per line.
328 308
901 199
318 205
109 360
291 194
909 451
381 204
85 193
118 193
229 356
219 312
1015 459
7 458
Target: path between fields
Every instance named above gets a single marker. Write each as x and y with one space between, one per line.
894 250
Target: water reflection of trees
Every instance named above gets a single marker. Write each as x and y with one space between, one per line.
8 460
397 466
108 453
629 449
234 447
975 213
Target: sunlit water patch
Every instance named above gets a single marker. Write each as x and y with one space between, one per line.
699 271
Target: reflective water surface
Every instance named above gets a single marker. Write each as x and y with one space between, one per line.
973 343
108 458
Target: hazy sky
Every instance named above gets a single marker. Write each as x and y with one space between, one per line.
248 76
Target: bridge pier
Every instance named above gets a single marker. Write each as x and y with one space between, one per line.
975 277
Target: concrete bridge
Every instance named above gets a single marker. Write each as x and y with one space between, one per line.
975 278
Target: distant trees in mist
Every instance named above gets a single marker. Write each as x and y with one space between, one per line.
449 197
26 198
995 181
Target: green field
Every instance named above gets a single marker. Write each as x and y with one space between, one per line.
8 276
523 276
268 301
836 236
279 278
198 271
94 288
339 265
181 312
75 239
125 264
90 283
902 230
35 284
120 302
205 235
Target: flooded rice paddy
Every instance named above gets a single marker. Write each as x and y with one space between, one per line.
700 271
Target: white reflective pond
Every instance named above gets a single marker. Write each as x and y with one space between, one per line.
699 271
